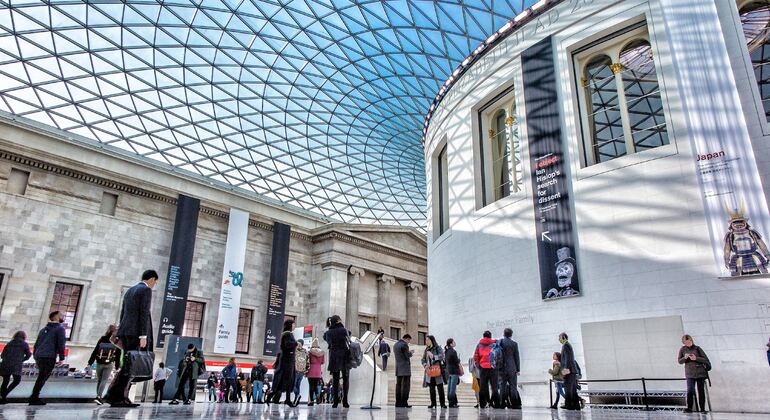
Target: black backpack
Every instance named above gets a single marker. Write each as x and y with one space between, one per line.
105 353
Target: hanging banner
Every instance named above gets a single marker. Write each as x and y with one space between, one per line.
276 295
553 211
179 268
232 282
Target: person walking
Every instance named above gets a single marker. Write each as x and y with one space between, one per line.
454 370
257 377
159 378
105 355
557 378
696 371
337 337
301 367
188 371
283 378
247 387
230 376
384 352
509 372
211 387
569 372
14 354
432 361
403 358
315 372
487 373
48 346
135 332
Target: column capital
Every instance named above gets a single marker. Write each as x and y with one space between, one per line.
415 286
356 271
386 278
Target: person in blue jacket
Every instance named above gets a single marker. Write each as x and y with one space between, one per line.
230 374
48 346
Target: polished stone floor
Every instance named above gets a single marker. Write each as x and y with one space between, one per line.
244 411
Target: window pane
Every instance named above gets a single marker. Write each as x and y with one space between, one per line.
645 107
755 19
604 117
65 299
244 331
501 157
395 333
193 319
443 191
363 327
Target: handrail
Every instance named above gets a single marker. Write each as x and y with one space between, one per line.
643 380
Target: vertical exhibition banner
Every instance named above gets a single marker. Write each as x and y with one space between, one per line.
276 295
232 282
553 210
179 268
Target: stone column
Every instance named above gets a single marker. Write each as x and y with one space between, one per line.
413 290
332 293
384 283
351 309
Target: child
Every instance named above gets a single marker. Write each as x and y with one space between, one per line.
558 379
222 388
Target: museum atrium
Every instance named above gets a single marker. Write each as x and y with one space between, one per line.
540 208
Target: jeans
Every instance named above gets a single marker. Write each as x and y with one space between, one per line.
231 391
454 380
158 387
213 393
559 392
385 361
103 372
45 367
701 384
313 386
6 389
256 391
487 379
403 385
509 393
297 382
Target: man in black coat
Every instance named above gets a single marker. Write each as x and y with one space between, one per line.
509 371
403 370
337 337
571 398
135 332
384 352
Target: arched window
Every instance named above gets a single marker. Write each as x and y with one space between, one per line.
640 85
755 20
624 111
604 117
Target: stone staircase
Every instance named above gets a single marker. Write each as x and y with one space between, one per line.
419 396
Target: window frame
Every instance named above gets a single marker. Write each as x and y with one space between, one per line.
395 329
75 318
238 330
612 45
203 316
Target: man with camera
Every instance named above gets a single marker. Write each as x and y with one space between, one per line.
190 367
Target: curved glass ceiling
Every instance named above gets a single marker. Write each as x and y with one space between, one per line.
318 104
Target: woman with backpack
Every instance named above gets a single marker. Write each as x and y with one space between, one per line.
557 378
696 367
432 361
106 355
14 354
339 352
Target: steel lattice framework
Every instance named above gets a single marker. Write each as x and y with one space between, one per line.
318 104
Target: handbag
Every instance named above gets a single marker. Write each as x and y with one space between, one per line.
433 371
139 364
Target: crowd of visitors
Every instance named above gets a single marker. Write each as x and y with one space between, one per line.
494 366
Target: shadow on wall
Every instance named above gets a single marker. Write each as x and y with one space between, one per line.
478 293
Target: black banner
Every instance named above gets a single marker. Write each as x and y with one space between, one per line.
553 211
179 267
276 295
175 350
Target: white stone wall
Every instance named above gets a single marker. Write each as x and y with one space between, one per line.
643 242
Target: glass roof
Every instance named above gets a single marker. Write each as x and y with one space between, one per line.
318 104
